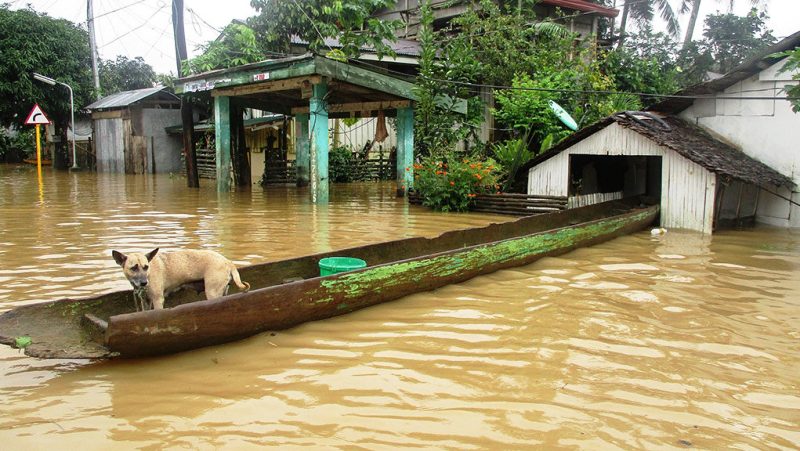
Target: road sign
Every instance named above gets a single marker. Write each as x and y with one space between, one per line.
36 117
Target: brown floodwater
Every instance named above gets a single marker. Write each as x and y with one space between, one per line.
673 341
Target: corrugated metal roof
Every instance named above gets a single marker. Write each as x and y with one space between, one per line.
125 98
582 5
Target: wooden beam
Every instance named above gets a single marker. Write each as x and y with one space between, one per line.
358 107
268 86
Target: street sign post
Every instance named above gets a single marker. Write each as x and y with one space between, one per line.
37 117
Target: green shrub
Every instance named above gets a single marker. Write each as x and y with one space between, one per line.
452 183
340 165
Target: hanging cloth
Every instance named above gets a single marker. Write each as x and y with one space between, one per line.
380 129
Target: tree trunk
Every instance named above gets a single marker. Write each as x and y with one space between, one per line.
622 23
690 26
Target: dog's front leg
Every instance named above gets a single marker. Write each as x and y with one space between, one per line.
157 302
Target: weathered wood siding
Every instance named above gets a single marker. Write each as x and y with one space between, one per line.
687 189
110 145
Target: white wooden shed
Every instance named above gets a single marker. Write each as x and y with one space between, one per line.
701 182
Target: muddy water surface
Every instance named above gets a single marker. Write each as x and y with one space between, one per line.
644 342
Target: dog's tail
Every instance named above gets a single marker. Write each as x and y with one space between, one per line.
237 280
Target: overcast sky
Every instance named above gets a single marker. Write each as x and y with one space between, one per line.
143 27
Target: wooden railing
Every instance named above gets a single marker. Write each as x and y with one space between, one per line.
509 203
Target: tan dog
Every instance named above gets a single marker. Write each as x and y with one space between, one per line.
161 274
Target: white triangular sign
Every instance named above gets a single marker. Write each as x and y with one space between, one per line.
36 116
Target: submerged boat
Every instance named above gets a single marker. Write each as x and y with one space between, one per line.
289 292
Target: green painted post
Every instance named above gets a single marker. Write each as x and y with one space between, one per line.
222 134
318 118
405 150
302 149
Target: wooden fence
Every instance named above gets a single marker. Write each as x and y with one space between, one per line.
509 203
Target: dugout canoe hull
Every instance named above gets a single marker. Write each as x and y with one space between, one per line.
289 292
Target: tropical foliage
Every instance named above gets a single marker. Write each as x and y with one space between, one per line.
350 21
60 51
793 64
237 45
124 74
693 7
451 183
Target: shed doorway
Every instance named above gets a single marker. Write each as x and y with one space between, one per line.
599 178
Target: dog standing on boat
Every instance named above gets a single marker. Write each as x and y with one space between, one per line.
159 274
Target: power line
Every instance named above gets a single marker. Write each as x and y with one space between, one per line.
477 86
146 22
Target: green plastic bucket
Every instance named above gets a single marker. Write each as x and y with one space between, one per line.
333 265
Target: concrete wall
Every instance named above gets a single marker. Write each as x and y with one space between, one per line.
165 150
766 130
109 145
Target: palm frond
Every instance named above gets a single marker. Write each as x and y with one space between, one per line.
550 30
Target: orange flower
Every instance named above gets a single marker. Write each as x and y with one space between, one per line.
408 169
470 195
452 183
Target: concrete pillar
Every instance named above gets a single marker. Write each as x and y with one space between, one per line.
318 118
302 149
222 133
405 150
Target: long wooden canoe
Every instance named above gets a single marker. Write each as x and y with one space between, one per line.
290 292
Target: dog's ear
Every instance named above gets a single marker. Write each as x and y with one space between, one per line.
151 254
119 257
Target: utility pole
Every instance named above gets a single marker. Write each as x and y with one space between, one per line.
93 47
189 152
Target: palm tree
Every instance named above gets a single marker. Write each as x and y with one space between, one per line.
643 11
694 5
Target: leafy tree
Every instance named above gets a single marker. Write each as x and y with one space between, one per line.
643 11
730 39
237 45
437 128
645 64
793 64
60 50
125 74
694 6
350 21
